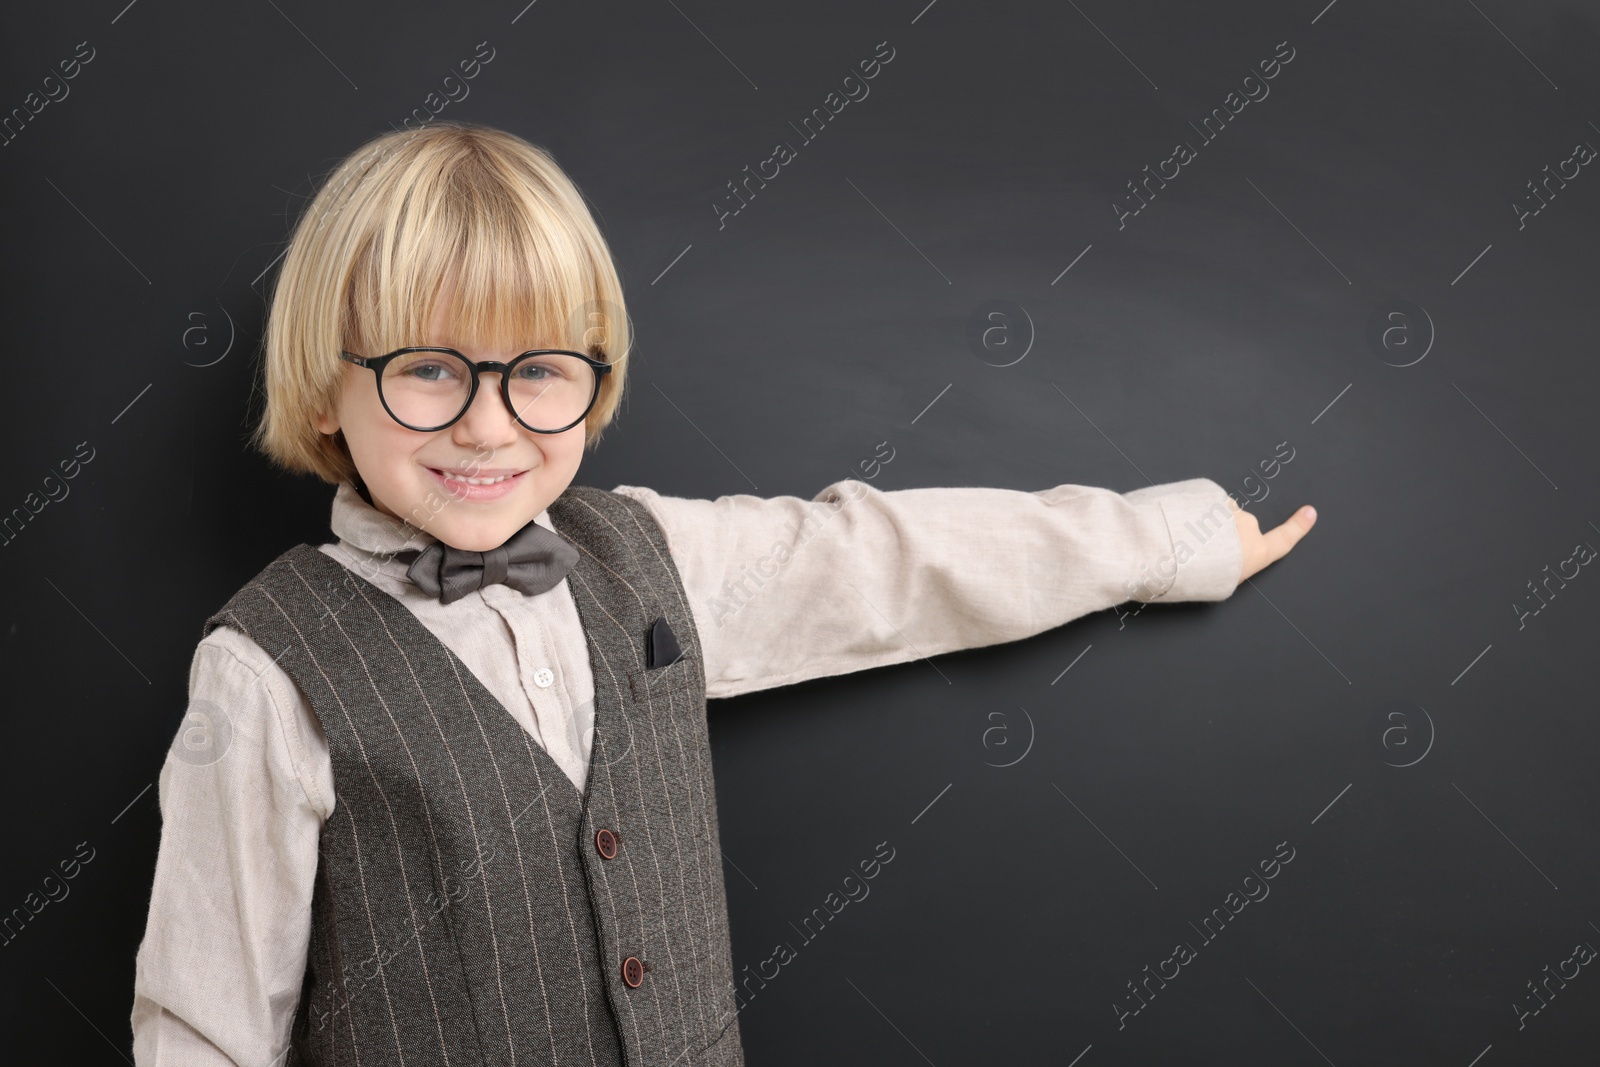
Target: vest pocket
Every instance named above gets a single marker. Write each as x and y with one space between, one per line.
726 1044
653 685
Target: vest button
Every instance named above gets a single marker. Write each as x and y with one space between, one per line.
605 843
633 972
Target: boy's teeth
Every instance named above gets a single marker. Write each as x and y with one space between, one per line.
474 481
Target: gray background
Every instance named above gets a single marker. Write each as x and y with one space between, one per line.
146 210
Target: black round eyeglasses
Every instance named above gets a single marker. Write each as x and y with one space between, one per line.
427 388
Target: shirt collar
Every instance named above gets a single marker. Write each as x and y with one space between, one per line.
371 536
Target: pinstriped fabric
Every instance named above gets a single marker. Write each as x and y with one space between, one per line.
461 913
657 793
694 875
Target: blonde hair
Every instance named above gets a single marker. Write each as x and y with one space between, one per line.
453 212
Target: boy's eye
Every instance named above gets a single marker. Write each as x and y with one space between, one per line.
429 370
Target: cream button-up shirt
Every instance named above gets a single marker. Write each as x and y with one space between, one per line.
781 589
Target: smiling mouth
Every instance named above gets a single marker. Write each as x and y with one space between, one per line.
477 482
465 480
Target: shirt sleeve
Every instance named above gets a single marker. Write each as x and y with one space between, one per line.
784 589
243 792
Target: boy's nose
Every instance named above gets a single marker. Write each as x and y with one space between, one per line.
488 420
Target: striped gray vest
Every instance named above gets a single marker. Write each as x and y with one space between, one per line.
470 906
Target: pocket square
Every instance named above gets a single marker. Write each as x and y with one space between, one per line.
661 645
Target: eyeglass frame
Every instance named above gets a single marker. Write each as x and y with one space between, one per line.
376 364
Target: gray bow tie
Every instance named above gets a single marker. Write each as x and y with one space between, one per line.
531 561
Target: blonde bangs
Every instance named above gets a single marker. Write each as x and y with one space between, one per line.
465 220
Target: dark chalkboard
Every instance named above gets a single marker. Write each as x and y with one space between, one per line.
1347 816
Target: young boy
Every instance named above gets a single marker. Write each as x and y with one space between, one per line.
444 794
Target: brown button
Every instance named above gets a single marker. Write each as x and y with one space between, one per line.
633 971
605 843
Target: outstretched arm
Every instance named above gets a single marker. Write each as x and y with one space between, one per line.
785 589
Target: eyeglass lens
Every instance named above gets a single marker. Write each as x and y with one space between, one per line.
428 389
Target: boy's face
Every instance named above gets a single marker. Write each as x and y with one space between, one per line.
405 470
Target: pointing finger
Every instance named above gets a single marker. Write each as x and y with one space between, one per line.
1280 540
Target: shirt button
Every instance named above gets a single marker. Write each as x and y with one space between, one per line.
605 843
543 677
633 971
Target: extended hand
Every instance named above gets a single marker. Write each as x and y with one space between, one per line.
1259 549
